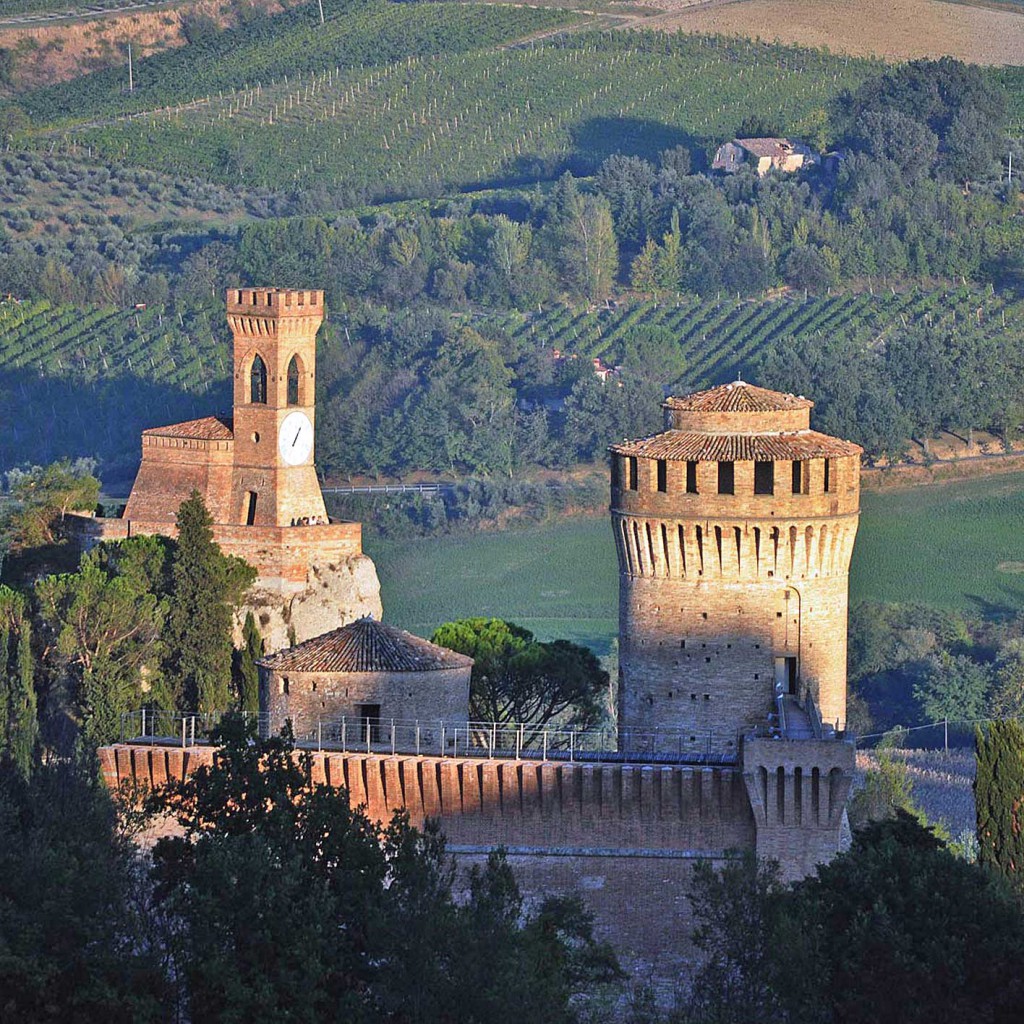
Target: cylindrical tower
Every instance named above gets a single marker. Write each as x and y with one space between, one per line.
734 531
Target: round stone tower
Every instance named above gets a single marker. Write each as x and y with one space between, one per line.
734 532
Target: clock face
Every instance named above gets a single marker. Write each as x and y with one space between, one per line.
295 440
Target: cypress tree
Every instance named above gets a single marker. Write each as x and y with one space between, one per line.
18 723
999 798
204 585
245 671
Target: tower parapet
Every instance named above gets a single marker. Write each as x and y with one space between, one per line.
734 531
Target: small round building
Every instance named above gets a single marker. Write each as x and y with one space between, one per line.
734 531
368 673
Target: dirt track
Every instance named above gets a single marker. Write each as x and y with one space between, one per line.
893 29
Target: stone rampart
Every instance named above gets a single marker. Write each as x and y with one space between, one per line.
284 555
623 836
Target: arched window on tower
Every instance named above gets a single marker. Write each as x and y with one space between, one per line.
293 381
258 382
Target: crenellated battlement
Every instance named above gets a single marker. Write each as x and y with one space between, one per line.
275 302
734 531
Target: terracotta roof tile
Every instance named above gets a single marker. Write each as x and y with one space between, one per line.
685 446
366 646
209 428
738 397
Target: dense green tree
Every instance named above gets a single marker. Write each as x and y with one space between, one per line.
519 679
901 929
205 586
288 902
76 940
245 674
999 798
18 724
954 688
101 638
1008 680
734 915
897 928
33 530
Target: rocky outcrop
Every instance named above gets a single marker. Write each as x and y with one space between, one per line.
334 595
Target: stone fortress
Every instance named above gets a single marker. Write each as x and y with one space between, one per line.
256 473
734 531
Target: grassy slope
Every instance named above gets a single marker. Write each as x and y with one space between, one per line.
939 544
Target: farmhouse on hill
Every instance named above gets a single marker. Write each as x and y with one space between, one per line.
763 155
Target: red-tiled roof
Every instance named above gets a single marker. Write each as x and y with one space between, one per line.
685 446
366 646
738 397
209 428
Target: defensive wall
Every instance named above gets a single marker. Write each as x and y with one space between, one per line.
285 555
624 836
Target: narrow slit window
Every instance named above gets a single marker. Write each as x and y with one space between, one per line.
764 477
293 381
726 478
691 478
631 472
258 382
662 476
828 475
798 477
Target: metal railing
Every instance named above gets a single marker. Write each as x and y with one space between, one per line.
445 738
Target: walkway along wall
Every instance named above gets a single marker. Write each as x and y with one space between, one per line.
623 836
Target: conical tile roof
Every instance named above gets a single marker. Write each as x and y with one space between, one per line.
365 646
739 396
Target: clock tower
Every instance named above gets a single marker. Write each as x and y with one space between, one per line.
274 480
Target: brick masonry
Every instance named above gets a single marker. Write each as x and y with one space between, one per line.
304 698
254 497
624 837
718 590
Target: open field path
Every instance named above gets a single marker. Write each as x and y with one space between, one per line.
891 29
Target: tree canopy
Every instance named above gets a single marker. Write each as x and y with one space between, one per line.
897 928
292 903
517 678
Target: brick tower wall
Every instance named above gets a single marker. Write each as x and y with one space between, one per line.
172 467
307 698
277 326
715 587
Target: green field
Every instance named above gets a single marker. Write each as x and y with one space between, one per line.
942 545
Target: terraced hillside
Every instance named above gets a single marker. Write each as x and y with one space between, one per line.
371 112
720 337
86 382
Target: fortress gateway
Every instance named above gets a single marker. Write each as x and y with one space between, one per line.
734 531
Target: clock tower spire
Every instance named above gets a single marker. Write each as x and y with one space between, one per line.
274 481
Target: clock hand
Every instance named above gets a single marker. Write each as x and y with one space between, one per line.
298 433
